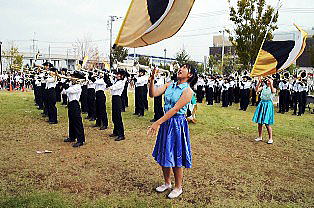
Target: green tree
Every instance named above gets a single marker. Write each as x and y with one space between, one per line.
119 53
251 18
144 60
14 58
182 57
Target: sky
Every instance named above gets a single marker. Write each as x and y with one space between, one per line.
59 23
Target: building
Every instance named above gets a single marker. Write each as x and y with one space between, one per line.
156 60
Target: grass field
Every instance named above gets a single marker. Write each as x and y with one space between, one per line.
229 169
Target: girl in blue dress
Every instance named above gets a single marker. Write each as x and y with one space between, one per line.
264 113
172 149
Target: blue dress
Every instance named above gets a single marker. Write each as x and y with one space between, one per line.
172 148
264 113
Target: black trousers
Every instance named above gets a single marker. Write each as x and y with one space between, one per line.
136 100
91 102
237 94
118 128
281 101
209 95
40 97
51 100
145 97
124 97
218 94
101 112
296 101
225 100
83 98
302 103
58 92
199 94
36 89
244 101
141 100
64 99
253 100
287 100
76 129
158 110
45 101
231 95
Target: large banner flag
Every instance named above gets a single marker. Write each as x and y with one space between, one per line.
276 56
150 21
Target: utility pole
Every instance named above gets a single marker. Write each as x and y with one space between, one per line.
223 50
49 52
165 50
0 57
111 19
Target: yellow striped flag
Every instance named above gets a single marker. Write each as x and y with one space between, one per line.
276 56
150 21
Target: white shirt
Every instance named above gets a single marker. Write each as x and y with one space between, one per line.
225 86
160 81
51 82
200 82
74 92
91 84
100 85
231 83
118 87
141 81
245 85
211 83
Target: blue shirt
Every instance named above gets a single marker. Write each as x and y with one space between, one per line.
266 93
173 94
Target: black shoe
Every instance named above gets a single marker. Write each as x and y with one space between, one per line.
294 114
92 119
153 120
77 144
103 128
283 112
113 135
69 140
299 114
240 109
135 114
140 115
53 122
120 138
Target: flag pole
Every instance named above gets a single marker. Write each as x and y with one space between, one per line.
267 30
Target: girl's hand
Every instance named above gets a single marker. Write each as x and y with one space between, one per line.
152 131
260 79
153 73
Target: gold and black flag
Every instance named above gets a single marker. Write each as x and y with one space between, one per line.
276 56
150 21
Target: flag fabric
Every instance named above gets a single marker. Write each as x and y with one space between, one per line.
150 21
276 56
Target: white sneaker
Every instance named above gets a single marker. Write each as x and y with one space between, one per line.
270 141
175 193
258 139
163 187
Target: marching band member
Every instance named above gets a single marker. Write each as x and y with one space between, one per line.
51 96
210 90
116 91
244 93
101 112
224 93
158 110
139 93
76 129
91 97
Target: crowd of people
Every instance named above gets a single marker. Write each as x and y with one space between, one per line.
228 90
